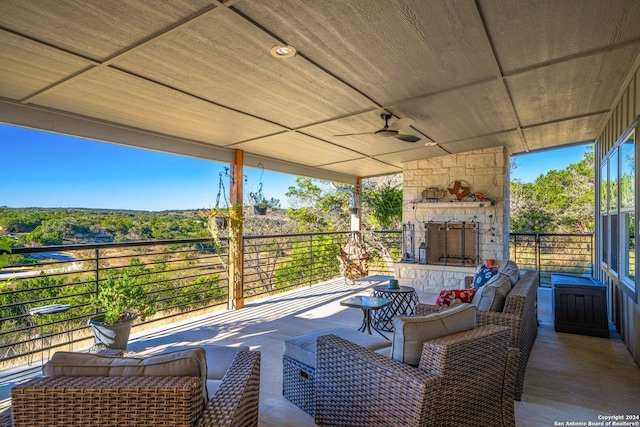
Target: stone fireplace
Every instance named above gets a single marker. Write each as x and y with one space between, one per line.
457 234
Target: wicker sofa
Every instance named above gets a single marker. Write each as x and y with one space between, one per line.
466 378
519 314
139 400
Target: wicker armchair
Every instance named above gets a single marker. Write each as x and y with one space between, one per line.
519 314
463 379
139 401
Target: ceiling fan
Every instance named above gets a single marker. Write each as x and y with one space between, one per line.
392 129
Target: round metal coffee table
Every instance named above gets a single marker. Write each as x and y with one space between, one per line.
403 301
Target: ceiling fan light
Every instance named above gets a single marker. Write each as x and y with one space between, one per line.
279 51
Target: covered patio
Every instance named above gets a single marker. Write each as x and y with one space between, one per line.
305 87
569 377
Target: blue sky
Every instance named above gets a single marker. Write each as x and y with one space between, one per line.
48 170
531 165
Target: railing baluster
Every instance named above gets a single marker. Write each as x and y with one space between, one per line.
96 288
311 260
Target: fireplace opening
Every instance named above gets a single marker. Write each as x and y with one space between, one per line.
452 243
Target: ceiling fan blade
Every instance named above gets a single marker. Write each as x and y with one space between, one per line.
408 138
355 134
402 123
386 132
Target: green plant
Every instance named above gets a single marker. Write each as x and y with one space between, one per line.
385 203
121 297
221 219
257 198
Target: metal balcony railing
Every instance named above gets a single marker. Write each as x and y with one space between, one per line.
276 263
185 276
188 277
552 253
182 275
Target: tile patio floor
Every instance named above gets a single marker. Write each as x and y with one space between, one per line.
569 377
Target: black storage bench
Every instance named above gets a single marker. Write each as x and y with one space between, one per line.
580 305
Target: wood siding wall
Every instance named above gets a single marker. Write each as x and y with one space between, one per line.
623 308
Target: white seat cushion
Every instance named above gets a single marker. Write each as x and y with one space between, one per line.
411 332
219 358
511 269
303 347
491 297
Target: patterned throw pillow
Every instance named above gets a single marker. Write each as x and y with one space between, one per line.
483 275
455 296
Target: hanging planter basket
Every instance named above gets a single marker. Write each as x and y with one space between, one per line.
259 210
222 222
354 259
257 199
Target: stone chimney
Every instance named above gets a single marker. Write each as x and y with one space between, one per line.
486 175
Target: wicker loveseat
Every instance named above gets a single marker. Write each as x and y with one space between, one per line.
152 400
463 379
519 314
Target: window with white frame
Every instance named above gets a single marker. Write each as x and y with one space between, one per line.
627 207
604 211
617 210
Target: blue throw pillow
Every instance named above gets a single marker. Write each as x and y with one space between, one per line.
483 275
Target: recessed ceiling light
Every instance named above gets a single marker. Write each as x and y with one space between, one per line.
283 51
430 144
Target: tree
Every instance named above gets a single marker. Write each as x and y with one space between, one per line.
317 209
382 199
559 201
528 213
325 209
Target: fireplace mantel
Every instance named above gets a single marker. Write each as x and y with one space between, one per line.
454 205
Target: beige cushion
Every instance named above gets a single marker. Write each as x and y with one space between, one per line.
303 347
491 296
219 358
411 332
511 270
189 362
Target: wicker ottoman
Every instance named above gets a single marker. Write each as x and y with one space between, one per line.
299 361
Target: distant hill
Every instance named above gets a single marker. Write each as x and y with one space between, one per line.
58 226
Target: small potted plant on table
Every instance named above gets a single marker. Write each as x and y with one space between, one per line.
120 300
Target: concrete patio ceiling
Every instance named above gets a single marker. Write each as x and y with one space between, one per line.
196 77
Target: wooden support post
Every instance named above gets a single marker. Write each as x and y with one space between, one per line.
356 212
236 244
